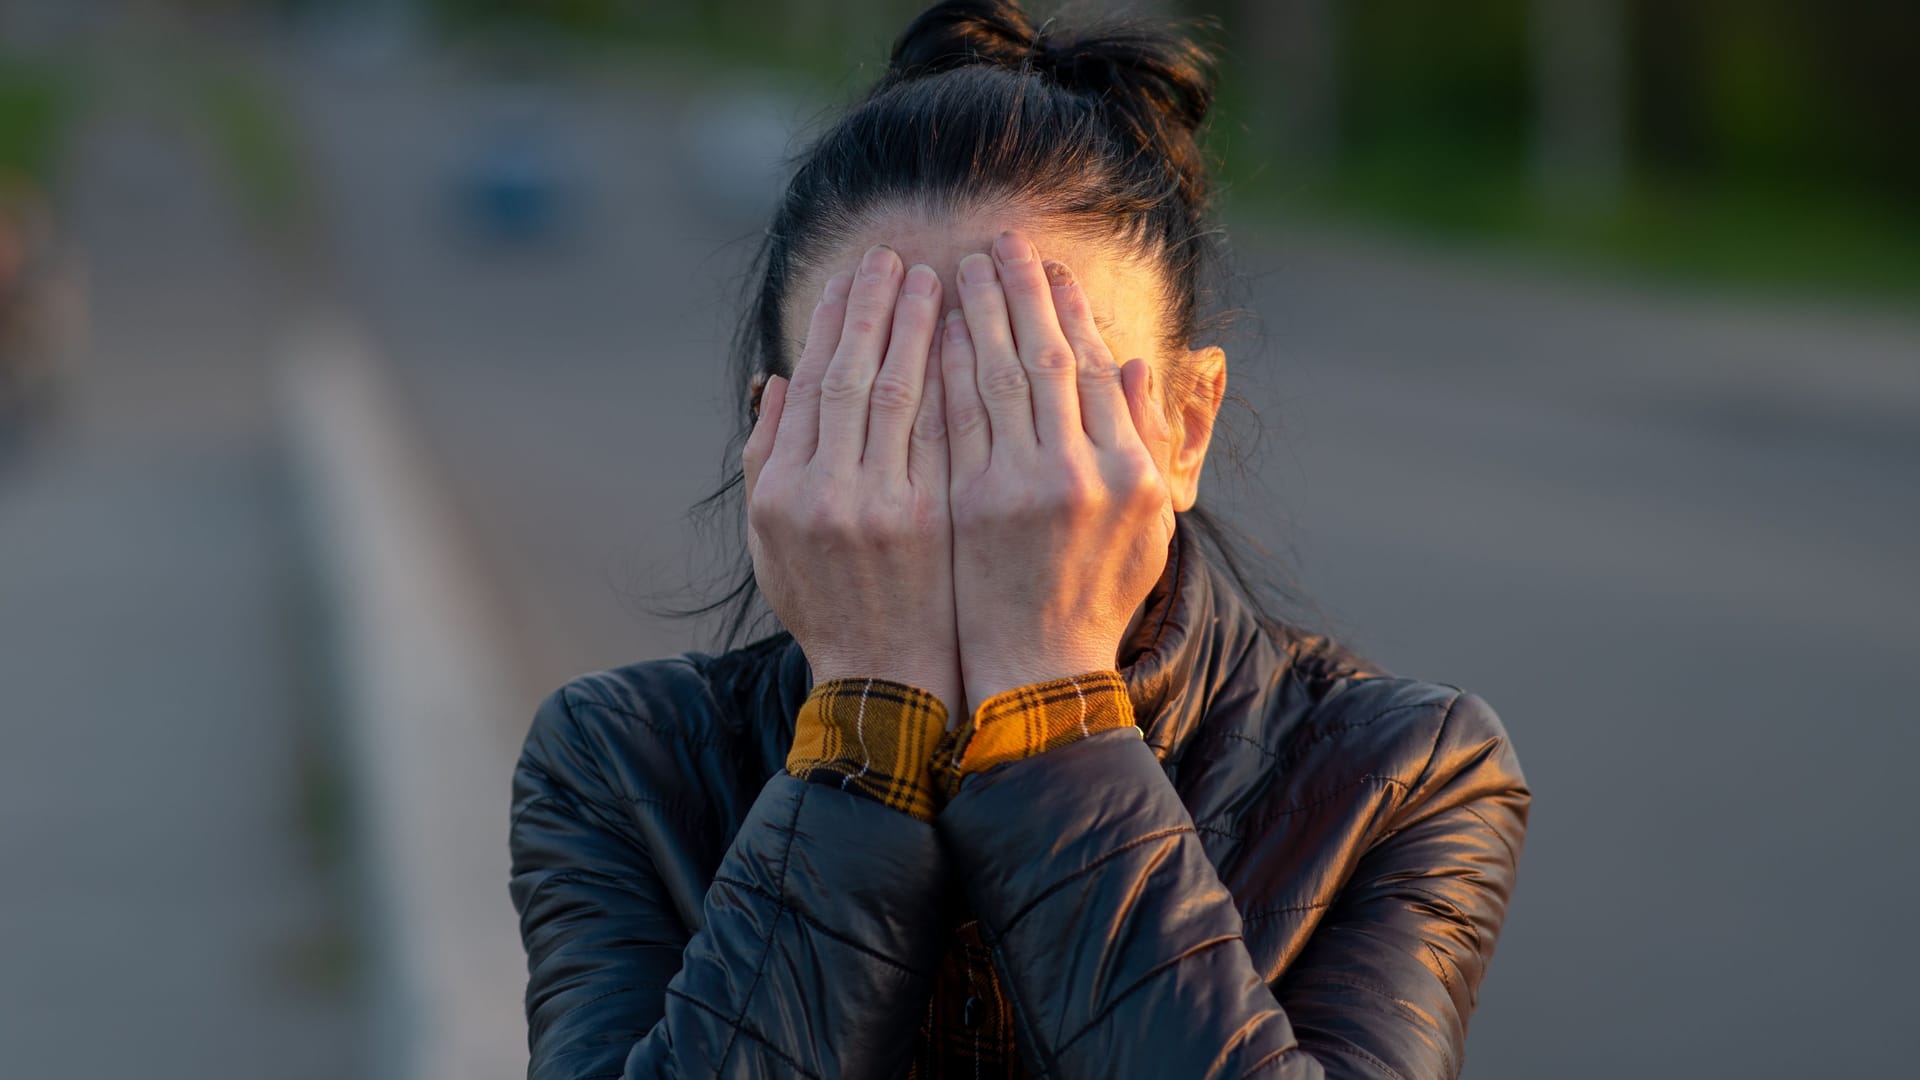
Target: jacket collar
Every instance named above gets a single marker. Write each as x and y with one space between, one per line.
1195 634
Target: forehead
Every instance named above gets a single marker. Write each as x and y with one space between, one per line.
1123 291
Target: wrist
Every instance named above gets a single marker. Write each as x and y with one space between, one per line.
994 678
946 686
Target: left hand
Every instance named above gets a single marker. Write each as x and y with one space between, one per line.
1061 517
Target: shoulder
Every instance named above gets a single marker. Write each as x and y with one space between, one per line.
1333 736
620 734
1428 746
680 733
668 697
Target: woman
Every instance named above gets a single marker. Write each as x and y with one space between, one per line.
1029 786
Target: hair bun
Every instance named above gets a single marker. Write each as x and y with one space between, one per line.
962 33
1154 82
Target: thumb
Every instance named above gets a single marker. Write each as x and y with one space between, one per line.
759 445
1136 379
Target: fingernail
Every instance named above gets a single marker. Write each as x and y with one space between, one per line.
1012 248
1058 274
977 269
921 280
879 261
956 325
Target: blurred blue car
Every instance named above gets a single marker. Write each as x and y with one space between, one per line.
514 184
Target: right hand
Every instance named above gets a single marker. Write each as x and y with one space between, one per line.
846 486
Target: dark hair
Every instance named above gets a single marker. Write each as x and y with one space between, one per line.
1095 131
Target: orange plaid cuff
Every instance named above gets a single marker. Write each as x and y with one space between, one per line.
875 737
1029 720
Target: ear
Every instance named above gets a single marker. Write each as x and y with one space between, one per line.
1208 368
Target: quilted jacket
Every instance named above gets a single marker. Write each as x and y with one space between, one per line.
1298 866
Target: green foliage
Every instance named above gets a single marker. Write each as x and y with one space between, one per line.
253 138
1443 75
36 108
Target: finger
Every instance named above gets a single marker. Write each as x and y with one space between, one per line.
893 406
800 424
1103 403
969 429
1043 349
849 378
927 456
997 371
759 446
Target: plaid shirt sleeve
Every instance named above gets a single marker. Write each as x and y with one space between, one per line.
874 737
887 740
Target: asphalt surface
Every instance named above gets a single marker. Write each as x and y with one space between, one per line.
1669 537
174 904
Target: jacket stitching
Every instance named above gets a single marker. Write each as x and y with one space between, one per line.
1029 1040
1399 1002
581 1005
822 927
1453 911
1439 965
1273 816
677 808
590 877
1363 1055
1512 856
1295 752
766 947
553 783
1273 1057
1103 859
653 724
1263 913
1375 989
1143 980
750 1031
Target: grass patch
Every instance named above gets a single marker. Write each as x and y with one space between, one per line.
253 137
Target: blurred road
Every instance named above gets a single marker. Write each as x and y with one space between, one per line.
1669 538
169 909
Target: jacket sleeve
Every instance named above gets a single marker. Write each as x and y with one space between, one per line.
812 952
1106 917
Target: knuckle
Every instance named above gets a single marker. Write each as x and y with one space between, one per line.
894 396
876 523
1074 489
1099 376
930 426
1057 357
822 519
842 384
765 507
967 419
1144 485
1003 381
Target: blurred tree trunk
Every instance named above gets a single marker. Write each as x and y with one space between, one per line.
1289 54
1580 101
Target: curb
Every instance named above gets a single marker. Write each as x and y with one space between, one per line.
430 692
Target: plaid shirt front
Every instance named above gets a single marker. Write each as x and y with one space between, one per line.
887 741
